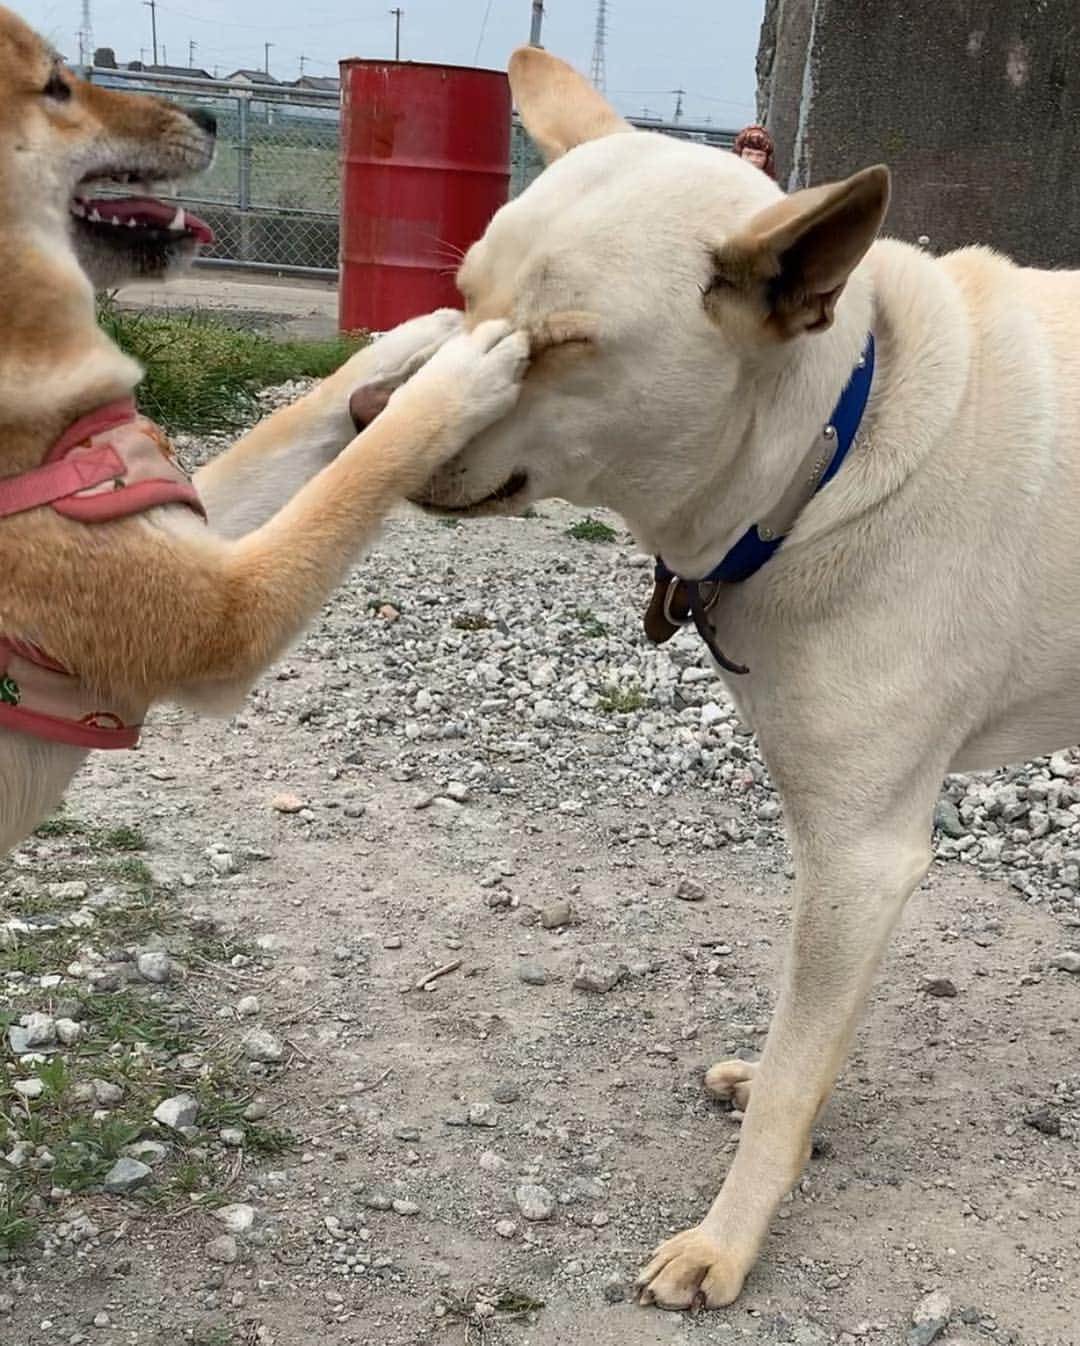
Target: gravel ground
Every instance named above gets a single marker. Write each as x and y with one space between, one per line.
379 1012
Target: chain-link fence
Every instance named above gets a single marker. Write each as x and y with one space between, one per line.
273 193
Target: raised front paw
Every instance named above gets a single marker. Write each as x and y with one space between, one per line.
373 373
470 383
691 1271
399 353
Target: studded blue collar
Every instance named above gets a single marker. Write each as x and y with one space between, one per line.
761 541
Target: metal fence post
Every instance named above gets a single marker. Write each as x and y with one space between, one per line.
243 183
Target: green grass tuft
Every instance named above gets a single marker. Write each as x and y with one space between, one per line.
621 700
591 626
203 374
591 530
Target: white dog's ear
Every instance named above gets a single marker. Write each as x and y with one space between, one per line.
799 253
559 107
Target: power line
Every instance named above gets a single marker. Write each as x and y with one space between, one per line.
483 30
599 53
322 20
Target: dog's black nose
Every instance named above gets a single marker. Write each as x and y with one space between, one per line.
201 117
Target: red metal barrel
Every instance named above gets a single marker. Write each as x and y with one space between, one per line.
426 163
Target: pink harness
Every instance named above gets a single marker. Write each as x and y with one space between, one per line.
108 465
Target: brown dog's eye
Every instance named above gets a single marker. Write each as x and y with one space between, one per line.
57 88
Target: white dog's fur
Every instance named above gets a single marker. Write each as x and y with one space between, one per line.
922 616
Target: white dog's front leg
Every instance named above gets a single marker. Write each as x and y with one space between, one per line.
849 893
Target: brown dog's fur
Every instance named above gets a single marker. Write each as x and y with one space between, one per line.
157 605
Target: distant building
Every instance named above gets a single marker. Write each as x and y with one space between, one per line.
183 71
252 77
318 83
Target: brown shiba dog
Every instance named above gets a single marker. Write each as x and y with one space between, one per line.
123 583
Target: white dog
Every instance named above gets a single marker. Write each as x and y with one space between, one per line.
703 352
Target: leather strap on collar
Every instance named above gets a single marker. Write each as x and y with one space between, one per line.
676 601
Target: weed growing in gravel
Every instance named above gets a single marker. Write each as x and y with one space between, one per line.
467 622
591 626
203 374
621 700
481 1309
98 838
15 1229
591 530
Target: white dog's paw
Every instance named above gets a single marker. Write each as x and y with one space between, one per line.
693 1270
470 383
730 1081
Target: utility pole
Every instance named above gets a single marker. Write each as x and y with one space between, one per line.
599 52
86 36
151 5
191 45
680 94
397 15
537 23
266 57
303 59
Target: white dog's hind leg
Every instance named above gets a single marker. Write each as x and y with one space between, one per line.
850 891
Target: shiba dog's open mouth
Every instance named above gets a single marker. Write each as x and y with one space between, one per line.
137 234
154 221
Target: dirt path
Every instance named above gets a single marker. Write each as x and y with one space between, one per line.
431 831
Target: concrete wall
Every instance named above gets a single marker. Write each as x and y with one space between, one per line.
974 105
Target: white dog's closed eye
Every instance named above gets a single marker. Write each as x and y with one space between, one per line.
571 330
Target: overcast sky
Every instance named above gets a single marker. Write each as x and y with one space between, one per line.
706 47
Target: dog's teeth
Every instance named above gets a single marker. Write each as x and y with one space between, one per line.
176 224
95 215
131 224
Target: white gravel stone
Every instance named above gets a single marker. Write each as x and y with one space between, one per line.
155 967
535 1202
237 1218
178 1112
261 1045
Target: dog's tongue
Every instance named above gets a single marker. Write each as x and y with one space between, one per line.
148 212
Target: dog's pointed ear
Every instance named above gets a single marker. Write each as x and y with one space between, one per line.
800 251
559 107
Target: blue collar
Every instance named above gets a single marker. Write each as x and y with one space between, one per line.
753 549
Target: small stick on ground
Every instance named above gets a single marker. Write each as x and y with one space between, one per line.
368 1088
443 971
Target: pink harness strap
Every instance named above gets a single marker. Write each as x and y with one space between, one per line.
40 697
108 465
